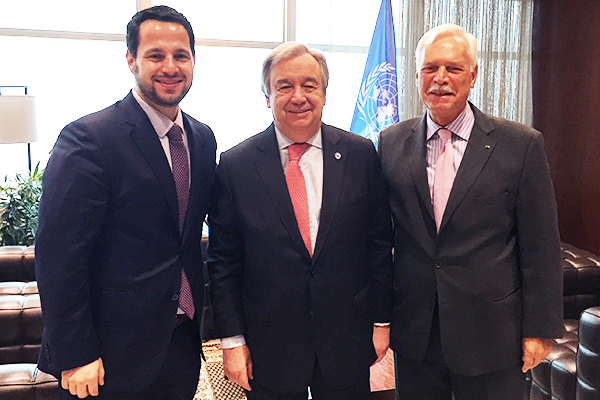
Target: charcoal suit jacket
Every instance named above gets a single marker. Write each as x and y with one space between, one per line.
109 252
494 267
290 307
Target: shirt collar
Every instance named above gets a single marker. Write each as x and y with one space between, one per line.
461 126
160 122
283 141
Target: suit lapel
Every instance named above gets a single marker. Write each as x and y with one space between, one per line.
146 139
334 161
417 154
268 164
480 147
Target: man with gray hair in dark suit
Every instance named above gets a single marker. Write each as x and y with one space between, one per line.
478 280
300 246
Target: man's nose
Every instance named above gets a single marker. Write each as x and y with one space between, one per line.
441 75
169 66
298 94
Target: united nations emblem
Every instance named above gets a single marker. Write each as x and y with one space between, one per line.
378 100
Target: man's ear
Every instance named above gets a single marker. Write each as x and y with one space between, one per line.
268 101
474 76
131 62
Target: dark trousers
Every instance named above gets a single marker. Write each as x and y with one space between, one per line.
319 390
432 380
179 376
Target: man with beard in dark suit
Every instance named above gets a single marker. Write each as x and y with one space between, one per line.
118 255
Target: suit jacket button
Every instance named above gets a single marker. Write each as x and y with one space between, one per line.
175 297
313 274
438 264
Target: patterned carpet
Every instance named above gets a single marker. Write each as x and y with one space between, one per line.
212 385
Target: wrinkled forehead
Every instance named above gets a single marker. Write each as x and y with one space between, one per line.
453 47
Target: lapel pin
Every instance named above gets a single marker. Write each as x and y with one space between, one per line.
487 146
337 155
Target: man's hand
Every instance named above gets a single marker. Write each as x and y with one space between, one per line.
83 381
237 365
534 351
381 341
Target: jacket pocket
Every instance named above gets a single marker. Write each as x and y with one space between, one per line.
506 296
363 300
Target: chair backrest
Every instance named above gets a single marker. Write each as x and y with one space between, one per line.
17 264
581 288
588 355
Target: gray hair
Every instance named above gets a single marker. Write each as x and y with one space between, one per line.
444 31
287 51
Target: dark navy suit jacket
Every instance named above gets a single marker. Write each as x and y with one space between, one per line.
494 267
108 249
265 285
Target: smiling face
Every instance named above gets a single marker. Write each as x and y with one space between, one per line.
445 78
297 97
164 65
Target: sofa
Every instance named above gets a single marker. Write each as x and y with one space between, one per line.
21 329
572 370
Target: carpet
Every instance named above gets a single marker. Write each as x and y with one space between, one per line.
213 385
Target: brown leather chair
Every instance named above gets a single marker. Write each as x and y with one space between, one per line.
572 370
21 329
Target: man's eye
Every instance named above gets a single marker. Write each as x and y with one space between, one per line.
285 88
309 88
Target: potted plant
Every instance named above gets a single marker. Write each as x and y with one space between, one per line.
19 204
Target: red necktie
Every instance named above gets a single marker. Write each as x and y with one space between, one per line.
444 177
181 174
297 189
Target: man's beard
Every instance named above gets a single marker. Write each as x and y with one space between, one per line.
149 92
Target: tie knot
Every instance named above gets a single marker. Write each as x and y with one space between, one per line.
445 134
296 150
175 133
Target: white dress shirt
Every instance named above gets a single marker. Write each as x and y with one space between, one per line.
311 165
162 124
461 129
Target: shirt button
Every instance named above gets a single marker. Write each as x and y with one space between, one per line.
438 264
175 297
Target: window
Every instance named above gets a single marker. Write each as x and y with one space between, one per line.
71 55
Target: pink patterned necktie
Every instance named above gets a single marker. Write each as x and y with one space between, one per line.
181 174
297 189
444 176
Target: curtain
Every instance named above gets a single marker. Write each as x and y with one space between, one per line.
504 33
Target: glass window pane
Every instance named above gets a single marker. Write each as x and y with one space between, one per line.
345 75
106 16
338 22
233 19
226 93
69 78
